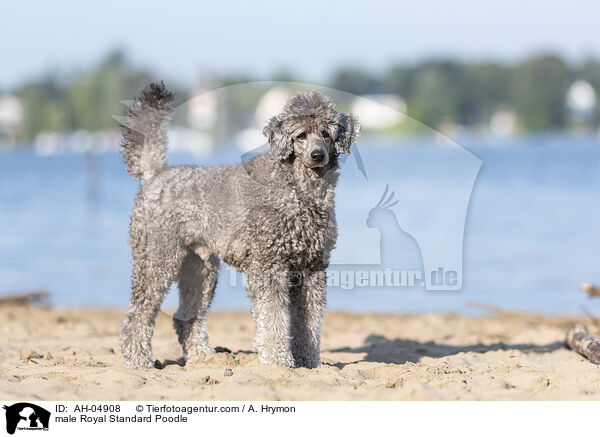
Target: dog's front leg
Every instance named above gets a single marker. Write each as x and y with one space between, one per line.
308 306
269 292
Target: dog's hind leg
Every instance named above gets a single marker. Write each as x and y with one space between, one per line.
152 277
138 327
197 282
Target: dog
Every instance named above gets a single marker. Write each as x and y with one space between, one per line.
271 217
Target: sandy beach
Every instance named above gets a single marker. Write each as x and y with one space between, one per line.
51 354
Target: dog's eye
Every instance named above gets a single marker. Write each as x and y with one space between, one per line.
301 136
325 134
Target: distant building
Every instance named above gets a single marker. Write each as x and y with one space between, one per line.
203 110
581 102
193 141
504 122
12 115
47 143
202 117
270 103
379 111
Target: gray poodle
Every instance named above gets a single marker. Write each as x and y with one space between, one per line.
271 218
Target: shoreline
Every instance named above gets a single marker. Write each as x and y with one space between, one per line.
61 354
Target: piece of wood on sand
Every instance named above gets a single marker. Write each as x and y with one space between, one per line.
25 298
580 340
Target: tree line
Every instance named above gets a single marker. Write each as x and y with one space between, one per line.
435 91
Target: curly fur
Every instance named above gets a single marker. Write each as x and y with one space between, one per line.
271 217
144 145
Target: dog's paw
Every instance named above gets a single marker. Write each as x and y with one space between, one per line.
197 354
282 358
307 355
308 362
140 363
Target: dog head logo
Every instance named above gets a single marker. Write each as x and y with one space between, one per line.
26 416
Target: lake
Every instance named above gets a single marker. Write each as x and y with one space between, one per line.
531 236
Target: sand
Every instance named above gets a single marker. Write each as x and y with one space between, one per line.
51 354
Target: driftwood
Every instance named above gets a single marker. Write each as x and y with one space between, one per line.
591 289
493 309
25 298
580 340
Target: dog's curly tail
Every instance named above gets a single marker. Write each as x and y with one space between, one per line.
144 144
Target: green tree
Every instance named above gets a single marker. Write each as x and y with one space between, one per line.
538 89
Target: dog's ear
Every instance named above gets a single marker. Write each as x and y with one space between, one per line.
281 143
348 129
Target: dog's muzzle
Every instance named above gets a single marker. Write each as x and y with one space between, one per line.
318 157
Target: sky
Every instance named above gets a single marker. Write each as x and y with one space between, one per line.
307 38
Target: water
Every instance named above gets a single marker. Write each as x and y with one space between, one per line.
532 232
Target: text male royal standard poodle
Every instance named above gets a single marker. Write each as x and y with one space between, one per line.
271 218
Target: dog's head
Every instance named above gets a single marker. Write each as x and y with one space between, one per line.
311 129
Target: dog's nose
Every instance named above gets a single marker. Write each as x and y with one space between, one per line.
317 155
